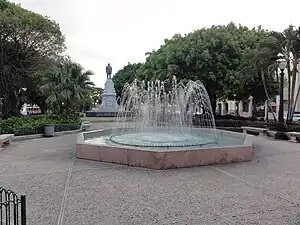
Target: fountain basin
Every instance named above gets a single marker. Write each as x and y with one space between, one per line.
231 148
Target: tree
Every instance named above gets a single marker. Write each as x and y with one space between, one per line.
289 42
126 75
27 41
67 86
212 55
286 46
261 68
94 97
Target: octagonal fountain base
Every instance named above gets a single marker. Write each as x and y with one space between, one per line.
238 148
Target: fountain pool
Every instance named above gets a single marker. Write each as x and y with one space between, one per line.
155 128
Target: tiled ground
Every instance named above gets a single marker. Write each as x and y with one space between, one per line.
61 189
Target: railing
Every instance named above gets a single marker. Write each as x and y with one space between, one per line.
12 208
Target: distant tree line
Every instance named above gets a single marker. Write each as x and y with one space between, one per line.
233 62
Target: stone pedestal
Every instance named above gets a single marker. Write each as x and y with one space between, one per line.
109 106
109 101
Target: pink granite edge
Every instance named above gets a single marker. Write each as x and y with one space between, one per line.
165 160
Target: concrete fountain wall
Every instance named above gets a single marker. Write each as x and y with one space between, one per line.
164 159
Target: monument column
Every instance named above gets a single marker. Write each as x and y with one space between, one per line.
109 105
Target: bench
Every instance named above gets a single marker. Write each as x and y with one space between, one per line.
295 135
5 139
260 131
85 125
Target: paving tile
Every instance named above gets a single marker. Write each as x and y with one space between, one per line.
44 194
82 164
279 173
103 193
280 216
46 161
139 196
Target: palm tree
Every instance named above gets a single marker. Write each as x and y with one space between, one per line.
66 85
261 62
289 43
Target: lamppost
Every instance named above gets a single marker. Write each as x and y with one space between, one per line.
280 134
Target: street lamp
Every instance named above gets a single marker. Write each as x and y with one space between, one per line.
280 134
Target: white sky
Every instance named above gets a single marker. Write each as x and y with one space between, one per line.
121 31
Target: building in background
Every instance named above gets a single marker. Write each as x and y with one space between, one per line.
30 109
245 108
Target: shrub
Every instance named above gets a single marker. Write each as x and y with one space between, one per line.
228 123
232 117
293 127
23 125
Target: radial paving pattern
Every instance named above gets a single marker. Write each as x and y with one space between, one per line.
63 190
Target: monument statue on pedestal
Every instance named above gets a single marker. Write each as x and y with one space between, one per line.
109 105
108 71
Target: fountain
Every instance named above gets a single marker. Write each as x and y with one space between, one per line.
155 129
163 117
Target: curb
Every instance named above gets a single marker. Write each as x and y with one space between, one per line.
100 121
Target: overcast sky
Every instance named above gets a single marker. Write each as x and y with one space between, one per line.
121 31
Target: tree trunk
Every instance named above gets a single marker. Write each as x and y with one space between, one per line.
267 95
43 107
289 87
213 101
293 98
292 102
237 108
296 100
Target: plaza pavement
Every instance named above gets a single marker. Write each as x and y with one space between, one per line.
61 189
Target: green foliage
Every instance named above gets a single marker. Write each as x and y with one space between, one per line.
220 57
67 86
95 96
14 124
257 62
3 4
92 98
42 33
126 75
293 127
28 41
289 43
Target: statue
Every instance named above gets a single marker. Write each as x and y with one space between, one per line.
108 71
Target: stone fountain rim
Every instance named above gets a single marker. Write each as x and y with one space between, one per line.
248 142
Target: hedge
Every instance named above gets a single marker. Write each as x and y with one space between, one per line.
35 125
